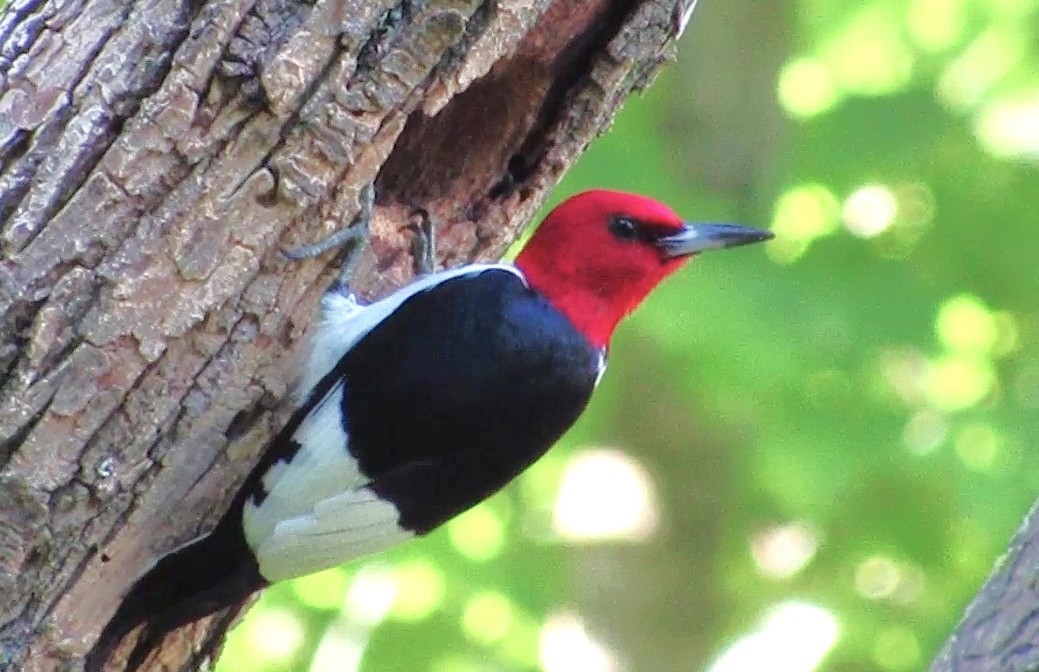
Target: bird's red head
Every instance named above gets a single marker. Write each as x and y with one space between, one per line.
600 253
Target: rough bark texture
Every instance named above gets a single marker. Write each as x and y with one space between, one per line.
154 157
1000 630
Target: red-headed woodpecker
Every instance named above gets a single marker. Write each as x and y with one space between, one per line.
418 406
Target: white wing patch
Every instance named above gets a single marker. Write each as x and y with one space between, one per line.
320 469
338 529
317 513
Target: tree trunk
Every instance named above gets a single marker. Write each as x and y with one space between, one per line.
154 158
1000 630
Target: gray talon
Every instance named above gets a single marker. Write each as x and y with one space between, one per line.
356 233
357 229
337 239
423 245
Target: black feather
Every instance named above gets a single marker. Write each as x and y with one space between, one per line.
194 581
460 390
450 397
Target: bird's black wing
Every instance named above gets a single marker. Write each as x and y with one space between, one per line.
435 398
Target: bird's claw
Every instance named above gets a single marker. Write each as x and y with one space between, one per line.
356 234
423 244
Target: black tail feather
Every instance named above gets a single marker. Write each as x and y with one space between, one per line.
196 580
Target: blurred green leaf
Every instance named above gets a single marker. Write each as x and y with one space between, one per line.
838 425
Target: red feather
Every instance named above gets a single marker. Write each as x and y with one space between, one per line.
586 271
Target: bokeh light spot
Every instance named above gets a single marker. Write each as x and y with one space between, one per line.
936 25
956 382
915 203
868 57
420 590
371 594
784 550
274 634
897 648
882 578
905 371
522 645
1009 127
965 325
877 578
978 446
802 214
487 617
870 210
805 88
340 650
794 637
925 431
479 534
323 590
566 646
605 494
983 63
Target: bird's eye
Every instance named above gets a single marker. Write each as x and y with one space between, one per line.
624 228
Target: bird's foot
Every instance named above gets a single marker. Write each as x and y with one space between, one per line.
356 234
423 244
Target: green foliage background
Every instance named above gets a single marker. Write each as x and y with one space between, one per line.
838 426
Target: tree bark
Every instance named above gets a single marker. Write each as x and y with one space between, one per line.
154 158
1000 629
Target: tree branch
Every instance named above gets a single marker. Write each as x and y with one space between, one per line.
1000 629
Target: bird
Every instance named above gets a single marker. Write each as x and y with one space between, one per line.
416 407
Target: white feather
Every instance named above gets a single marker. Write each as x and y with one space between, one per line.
322 468
316 513
346 526
600 367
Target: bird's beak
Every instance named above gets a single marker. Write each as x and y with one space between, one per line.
697 237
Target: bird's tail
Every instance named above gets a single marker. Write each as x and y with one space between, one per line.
194 581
